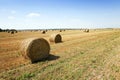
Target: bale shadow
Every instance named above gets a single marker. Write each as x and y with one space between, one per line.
58 42
52 57
49 58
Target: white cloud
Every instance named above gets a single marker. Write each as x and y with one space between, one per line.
11 17
33 15
13 11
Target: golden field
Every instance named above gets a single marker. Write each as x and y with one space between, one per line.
81 56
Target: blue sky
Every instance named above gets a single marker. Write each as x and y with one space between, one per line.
39 14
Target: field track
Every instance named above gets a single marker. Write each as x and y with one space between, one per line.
81 56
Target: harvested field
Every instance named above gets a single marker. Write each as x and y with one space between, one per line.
81 56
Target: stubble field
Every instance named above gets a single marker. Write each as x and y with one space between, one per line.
81 56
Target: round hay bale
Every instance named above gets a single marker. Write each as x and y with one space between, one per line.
12 32
16 31
60 30
55 38
8 31
87 30
35 49
43 32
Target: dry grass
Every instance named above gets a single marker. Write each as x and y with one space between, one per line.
82 56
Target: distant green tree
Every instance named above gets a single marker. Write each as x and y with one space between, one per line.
1 30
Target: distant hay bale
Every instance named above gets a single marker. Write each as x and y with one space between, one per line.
8 31
16 31
87 30
12 32
43 32
55 38
35 49
60 30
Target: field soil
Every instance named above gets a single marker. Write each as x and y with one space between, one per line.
80 56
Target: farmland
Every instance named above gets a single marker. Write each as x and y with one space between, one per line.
81 56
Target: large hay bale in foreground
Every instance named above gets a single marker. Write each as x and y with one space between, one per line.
55 38
35 49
